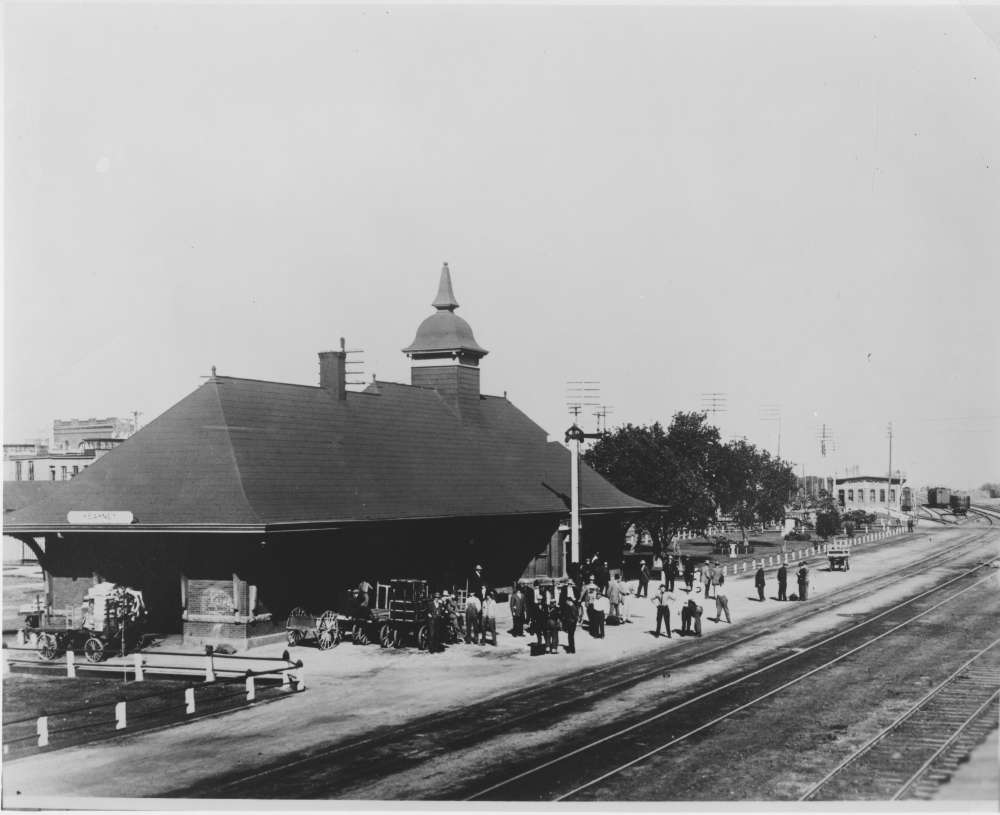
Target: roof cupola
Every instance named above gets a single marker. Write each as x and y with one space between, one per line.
445 354
445 335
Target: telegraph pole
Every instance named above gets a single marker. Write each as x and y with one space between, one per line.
888 489
579 393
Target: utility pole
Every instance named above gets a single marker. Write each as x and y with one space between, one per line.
579 393
888 489
135 420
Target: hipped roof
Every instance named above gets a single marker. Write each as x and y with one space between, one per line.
246 455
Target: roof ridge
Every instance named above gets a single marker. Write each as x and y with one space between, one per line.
236 463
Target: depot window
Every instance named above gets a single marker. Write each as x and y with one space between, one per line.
881 496
892 496
850 495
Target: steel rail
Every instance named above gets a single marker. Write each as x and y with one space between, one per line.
770 693
954 736
719 689
905 573
908 714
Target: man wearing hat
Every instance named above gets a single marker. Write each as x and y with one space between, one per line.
660 600
477 583
803 577
473 618
552 615
783 582
568 615
517 609
643 580
433 623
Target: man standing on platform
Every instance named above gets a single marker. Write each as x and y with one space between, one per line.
517 609
783 582
758 581
643 580
569 613
660 600
803 576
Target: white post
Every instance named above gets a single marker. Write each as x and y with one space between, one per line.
300 676
20 638
137 662
574 489
251 688
209 668
120 716
284 679
33 640
42 728
70 663
189 701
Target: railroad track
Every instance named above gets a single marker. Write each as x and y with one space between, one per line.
385 752
678 724
912 756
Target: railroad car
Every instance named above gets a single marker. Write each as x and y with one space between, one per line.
939 497
906 499
960 504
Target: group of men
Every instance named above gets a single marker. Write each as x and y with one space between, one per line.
802 577
480 615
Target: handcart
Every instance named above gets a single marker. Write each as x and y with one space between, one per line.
840 558
113 622
324 629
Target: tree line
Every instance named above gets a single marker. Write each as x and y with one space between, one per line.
694 476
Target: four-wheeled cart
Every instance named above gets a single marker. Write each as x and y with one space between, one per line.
840 558
325 628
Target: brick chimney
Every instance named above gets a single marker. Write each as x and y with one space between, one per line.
333 371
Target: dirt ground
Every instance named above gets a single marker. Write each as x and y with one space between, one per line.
351 689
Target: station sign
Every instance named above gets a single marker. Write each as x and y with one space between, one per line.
103 517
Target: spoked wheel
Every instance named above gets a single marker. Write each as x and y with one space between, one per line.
397 638
48 647
294 636
423 640
358 634
328 630
93 650
295 616
385 635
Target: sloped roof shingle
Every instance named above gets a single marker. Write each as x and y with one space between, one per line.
241 454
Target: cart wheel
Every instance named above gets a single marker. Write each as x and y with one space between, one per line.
93 649
48 647
385 635
295 616
397 638
358 634
325 641
422 639
294 636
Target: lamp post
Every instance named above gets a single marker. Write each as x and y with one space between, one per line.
577 436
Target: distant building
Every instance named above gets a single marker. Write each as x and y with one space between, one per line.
870 493
75 445
71 434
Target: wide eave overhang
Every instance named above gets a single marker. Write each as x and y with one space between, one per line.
301 526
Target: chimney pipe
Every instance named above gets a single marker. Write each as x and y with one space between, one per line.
333 371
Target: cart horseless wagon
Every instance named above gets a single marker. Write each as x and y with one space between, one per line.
113 622
840 558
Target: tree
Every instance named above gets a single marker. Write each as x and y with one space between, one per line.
753 487
673 468
827 515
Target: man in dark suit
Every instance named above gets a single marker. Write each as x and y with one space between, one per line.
643 579
758 581
783 582
569 613
517 609
803 576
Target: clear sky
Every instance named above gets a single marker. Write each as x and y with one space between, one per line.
791 206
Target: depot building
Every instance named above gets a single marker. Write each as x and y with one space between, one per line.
249 497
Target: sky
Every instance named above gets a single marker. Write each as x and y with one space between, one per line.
794 207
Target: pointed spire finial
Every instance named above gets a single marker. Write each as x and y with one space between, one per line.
213 370
445 300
